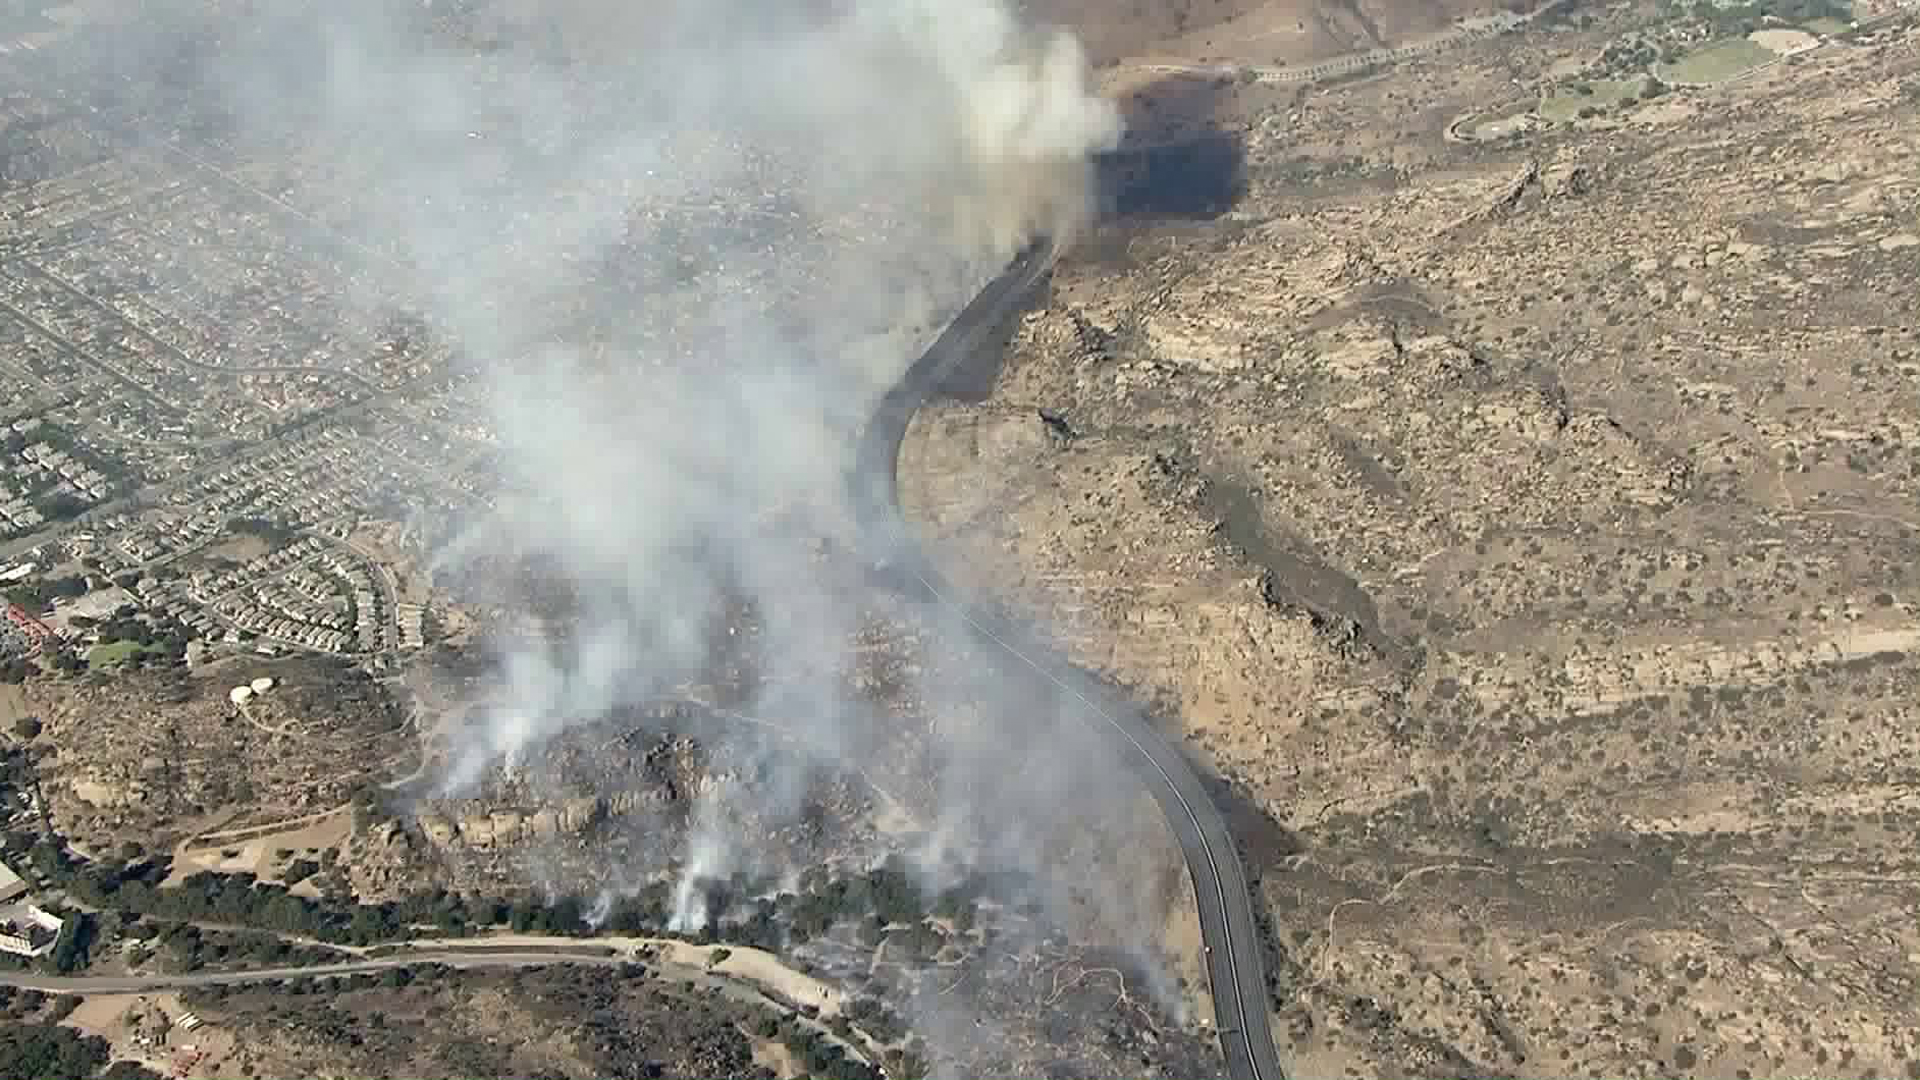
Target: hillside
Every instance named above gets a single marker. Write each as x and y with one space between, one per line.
1518 502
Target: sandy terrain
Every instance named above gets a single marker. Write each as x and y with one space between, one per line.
13 705
256 852
757 966
144 1028
157 757
1784 42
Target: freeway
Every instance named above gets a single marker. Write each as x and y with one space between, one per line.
1233 958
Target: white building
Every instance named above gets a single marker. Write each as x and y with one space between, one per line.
27 930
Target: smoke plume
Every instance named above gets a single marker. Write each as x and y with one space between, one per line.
681 248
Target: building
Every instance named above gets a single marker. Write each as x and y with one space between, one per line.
11 887
26 930
36 631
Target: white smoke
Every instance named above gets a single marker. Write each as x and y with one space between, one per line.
600 910
970 131
792 196
707 857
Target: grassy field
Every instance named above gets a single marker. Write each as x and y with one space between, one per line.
1562 106
114 652
1716 62
1825 25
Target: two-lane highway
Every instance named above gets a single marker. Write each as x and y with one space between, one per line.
1234 963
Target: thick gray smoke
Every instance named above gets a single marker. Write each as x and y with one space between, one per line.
685 245
862 169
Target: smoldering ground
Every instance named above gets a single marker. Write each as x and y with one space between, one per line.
683 247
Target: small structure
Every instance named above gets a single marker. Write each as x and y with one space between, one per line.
240 695
262 684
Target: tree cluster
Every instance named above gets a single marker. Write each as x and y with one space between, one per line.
65 661
233 899
38 596
821 1056
266 529
887 893
1631 55
884 901
18 1004
874 1018
1739 20
60 506
74 945
52 1052
883 898
187 947
170 634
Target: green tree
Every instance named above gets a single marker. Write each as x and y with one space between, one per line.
49 1052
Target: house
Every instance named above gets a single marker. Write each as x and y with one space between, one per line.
28 930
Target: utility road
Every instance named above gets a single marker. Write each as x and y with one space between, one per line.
1219 881
453 958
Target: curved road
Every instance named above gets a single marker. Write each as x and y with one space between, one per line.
1219 881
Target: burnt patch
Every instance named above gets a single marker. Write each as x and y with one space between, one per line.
1200 177
1179 160
1264 843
